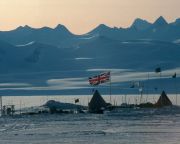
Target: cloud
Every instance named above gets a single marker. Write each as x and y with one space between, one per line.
83 58
14 85
70 83
117 76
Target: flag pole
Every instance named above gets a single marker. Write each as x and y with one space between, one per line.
1 105
176 90
161 81
161 86
175 83
110 85
147 88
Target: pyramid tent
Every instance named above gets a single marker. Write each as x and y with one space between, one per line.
163 100
97 103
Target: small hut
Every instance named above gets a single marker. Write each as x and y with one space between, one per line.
163 100
97 103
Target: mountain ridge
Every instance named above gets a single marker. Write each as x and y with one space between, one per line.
141 24
60 36
47 69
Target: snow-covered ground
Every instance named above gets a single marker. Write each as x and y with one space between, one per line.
122 127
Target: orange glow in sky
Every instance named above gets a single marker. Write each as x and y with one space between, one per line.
80 16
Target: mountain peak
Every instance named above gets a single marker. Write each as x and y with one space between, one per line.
160 21
62 29
24 28
27 27
100 28
140 24
60 26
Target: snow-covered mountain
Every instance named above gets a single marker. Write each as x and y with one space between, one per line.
101 52
60 36
160 22
45 59
141 29
140 24
32 57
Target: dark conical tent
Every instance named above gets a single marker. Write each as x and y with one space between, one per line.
163 100
97 103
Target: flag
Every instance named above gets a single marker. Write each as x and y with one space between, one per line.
132 86
102 78
174 76
135 84
158 70
93 80
76 100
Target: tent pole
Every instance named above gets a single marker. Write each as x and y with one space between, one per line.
1 105
110 87
147 88
176 90
161 85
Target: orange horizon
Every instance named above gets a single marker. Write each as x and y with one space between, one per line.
81 16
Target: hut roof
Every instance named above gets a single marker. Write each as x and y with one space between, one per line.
97 102
163 100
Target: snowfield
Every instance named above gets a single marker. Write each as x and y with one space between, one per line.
128 126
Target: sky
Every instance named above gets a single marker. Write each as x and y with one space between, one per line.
81 16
